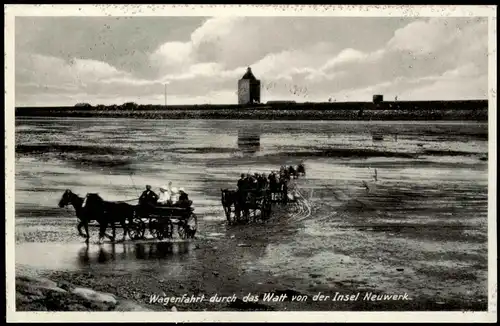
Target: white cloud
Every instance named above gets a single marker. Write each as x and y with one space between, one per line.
424 36
215 29
450 89
347 55
172 57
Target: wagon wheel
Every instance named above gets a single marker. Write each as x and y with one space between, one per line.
181 230
153 226
190 223
165 230
136 228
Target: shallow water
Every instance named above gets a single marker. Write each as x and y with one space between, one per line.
425 212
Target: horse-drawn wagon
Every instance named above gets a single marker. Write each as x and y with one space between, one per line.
244 206
161 222
250 204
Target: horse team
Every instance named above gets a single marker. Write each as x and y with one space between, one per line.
105 213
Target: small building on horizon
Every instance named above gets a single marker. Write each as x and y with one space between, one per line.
378 98
248 88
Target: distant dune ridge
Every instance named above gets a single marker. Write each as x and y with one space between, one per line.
476 110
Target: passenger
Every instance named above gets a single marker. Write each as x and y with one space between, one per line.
164 196
286 174
252 183
272 180
248 182
242 183
301 168
174 195
184 201
256 181
182 194
261 182
265 183
148 197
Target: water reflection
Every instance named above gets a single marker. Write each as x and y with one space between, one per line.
249 140
133 251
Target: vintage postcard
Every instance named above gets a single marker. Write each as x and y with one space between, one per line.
250 163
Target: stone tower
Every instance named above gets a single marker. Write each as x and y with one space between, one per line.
248 88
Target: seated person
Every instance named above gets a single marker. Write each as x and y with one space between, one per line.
184 201
164 199
148 197
242 183
174 194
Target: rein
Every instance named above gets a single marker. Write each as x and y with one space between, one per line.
128 200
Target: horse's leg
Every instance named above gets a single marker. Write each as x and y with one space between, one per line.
113 227
109 236
108 220
86 226
229 219
124 227
79 228
244 208
234 209
102 230
227 211
239 210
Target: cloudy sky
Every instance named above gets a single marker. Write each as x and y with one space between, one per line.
112 60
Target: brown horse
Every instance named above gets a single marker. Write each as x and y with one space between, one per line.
69 198
231 198
109 213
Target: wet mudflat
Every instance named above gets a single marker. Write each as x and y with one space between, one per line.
407 214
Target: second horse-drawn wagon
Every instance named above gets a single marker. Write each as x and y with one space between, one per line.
243 206
253 198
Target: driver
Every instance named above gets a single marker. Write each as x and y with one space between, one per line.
148 196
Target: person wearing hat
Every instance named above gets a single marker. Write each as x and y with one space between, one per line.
242 183
164 196
182 194
174 194
264 181
148 196
184 201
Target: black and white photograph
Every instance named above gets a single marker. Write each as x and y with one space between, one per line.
250 163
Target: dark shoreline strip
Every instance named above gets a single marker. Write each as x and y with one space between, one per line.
390 111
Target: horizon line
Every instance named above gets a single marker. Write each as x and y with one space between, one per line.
291 102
